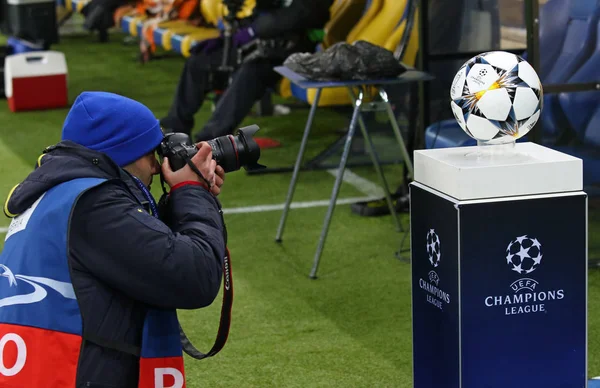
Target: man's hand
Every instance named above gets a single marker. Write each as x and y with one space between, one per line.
202 160
219 179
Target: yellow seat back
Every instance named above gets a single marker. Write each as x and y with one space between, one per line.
210 10
336 6
365 20
384 28
246 11
412 45
384 23
344 16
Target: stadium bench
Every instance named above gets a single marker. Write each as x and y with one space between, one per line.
178 35
383 23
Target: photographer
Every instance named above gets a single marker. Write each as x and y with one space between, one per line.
274 19
107 274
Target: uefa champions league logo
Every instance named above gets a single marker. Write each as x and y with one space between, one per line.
524 254
434 253
433 248
435 296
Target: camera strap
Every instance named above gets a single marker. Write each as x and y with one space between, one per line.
225 321
195 169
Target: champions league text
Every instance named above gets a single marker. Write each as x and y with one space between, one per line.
513 303
434 291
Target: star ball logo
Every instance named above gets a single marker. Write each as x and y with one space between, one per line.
524 256
435 295
433 248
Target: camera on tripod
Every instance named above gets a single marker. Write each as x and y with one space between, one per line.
231 152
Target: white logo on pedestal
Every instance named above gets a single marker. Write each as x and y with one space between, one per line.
434 253
524 256
433 247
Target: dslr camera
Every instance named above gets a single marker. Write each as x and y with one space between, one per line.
231 152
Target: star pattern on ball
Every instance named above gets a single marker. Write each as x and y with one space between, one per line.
509 258
433 247
524 254
517 268
502 98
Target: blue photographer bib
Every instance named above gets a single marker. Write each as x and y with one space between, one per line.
40 322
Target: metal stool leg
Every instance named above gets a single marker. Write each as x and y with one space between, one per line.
336 186
375 160
292 187
390 111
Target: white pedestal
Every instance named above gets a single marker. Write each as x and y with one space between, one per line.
530 169
499 269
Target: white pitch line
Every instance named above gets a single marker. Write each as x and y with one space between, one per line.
293 205
267 208
363 185
371 190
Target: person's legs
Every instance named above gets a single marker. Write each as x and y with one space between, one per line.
249 84
193 85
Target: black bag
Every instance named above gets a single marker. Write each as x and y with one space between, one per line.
342 62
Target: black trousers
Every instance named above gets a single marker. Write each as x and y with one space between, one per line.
249 84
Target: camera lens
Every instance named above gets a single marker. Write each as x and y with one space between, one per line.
234 152
230 152
225 152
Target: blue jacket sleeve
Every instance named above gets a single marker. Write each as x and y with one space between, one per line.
115 240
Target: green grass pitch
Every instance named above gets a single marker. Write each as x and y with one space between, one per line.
349 328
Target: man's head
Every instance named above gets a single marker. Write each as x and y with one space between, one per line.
118 126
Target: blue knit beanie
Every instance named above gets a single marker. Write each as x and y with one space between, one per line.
120 127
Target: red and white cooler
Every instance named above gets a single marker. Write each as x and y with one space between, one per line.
36 80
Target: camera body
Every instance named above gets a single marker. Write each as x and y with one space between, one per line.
178 148
230 152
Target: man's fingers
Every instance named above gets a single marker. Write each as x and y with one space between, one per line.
166 167
218 181
213 167
220 172
202 156
203 150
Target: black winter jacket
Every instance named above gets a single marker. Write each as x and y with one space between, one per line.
296 19
300 16
123 261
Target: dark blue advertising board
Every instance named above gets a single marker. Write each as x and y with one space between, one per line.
499 291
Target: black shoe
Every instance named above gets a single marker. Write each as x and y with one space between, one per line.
379 207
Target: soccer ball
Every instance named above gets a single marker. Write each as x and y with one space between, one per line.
524 254
433 248
496 97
